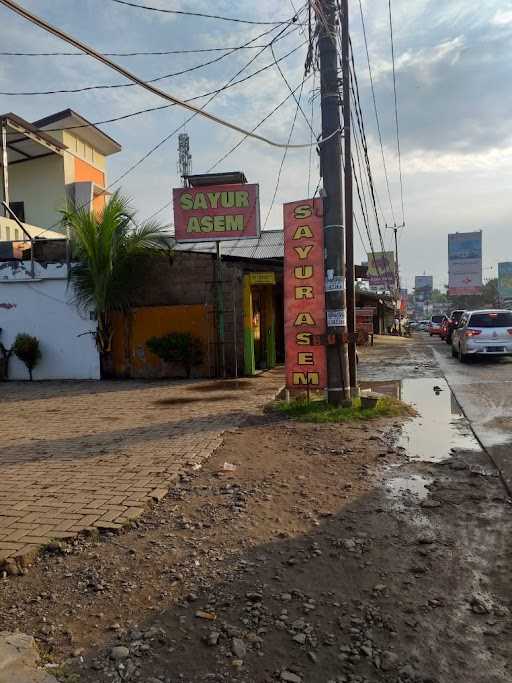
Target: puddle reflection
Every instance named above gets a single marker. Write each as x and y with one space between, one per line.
440 425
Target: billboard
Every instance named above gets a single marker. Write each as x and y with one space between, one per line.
464 263
304 295
423 287
505 280
381 269
216 212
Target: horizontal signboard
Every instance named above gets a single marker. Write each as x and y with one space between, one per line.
216 212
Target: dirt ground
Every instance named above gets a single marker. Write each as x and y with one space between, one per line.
325 554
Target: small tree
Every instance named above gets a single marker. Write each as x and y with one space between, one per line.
26 348
178 347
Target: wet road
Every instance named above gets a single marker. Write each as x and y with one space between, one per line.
483 388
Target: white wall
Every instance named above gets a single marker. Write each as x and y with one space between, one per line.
42 306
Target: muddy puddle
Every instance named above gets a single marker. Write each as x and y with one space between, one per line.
440 428
414 484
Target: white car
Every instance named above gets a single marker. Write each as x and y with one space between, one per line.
483 333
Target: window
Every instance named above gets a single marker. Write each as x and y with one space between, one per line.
437 318
16 234
503 319
8 234
19 209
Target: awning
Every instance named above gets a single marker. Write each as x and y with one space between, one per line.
25 142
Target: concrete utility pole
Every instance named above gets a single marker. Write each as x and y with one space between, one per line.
349 209
395 229
338 390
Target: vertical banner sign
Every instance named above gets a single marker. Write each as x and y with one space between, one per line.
464 263
381 269
423 287
304 295
505 281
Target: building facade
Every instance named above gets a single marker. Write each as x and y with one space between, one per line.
49 162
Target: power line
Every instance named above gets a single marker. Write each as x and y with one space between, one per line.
297 101
110 86
155 53
376 110
396 112
176 130
235 147
136 79
190 99
283 158
202 14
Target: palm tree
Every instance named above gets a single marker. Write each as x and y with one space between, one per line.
109 253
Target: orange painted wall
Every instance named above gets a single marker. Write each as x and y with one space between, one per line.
130 354
86 172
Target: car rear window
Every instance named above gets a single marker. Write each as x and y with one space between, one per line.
491 320
437 318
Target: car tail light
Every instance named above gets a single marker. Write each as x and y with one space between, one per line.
472 333
509 331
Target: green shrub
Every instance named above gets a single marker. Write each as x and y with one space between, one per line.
178 347
26 348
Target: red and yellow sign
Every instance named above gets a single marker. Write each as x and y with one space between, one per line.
216 212
304 294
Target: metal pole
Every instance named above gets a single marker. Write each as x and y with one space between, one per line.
5 163
220 313
338 390
349 211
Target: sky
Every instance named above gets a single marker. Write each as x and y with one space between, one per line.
453 76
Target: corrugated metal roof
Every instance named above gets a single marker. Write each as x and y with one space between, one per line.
270 244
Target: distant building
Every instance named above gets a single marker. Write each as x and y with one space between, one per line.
50 161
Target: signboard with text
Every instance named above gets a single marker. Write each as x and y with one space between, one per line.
505 280
423 288
381 269
216 212
304 295
464 263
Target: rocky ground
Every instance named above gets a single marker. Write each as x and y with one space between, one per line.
299 553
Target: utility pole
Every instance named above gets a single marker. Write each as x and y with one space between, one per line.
395 229
349 209
338 389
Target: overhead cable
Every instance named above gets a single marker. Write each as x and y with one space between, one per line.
190 99
110 86
201 14
376 110
285 152
396 112
136 79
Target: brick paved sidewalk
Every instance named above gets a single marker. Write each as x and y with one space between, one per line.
84 455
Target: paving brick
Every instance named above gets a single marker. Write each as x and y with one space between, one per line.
73 489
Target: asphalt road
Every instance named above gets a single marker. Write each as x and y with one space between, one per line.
483 388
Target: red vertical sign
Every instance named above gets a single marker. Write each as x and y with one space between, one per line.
304 294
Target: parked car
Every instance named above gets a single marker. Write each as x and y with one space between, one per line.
486 333
449 324
434 325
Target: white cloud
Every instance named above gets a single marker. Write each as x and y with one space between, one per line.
502 18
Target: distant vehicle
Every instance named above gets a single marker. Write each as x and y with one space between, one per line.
486 333
423 325
434 325
449 324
